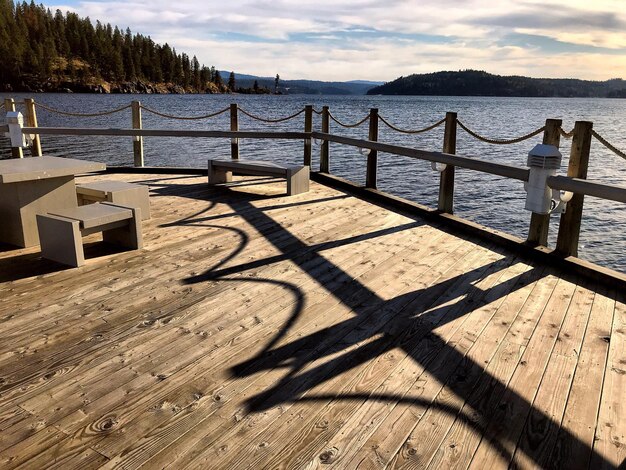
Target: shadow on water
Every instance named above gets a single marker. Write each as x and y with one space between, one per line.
378 326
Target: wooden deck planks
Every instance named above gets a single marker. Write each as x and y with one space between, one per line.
610 439
411 346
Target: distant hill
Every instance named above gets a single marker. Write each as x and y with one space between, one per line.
305 87
480 83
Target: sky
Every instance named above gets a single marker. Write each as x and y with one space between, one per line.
382 39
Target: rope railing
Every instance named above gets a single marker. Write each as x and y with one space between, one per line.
416 131
500 141
183 118
270 121
567 135
608 145
67 113
319 113
342 124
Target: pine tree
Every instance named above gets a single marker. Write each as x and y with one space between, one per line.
231 82
37 45
218 79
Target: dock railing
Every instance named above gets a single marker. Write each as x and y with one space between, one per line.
444 162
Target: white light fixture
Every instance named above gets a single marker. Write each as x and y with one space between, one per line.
15 120
543 161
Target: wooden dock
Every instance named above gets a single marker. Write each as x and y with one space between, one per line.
316 331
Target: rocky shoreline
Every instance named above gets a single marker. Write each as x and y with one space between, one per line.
136 87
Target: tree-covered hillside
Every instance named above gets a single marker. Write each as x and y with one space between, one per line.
45 51
479 83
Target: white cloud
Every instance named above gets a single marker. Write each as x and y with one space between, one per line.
265 37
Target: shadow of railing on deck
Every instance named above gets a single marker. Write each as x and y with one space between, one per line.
379 326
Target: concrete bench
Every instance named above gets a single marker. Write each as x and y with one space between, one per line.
116 192
61 230
221 171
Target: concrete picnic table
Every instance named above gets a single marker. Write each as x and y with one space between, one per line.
36 185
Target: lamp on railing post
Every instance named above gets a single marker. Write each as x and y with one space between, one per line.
446 180
308 127
324 151
372 156
569 227
137 140
9 107
234 127
15 123
31 121
540 223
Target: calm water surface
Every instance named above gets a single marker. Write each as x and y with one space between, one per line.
490 200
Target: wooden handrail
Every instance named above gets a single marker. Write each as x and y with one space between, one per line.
165 133
588 188
471 163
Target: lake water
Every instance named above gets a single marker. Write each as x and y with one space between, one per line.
489 200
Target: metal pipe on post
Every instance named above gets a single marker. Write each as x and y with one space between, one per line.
446 181
234 126
308 127
540 223
9 106
324 151
372 156
31 121
137 140
569 227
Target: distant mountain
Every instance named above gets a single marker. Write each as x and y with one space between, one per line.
304 87
480 83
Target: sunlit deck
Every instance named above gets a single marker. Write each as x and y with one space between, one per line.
262 331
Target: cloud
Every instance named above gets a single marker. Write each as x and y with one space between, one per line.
370 39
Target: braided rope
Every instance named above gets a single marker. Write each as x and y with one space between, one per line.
418 131
66 113
317 112
183 118
348 125
500 141
567 135
271 121
608 145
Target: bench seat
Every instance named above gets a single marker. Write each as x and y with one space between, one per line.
61 230
116 192
297 176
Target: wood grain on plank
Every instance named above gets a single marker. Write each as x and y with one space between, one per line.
157 358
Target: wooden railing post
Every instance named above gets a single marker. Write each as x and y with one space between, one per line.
308 127
324 151
540 223
372 156
446 180
234 126
137 140
31 121
569 227
9 106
